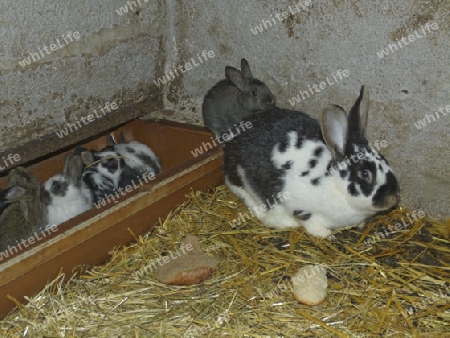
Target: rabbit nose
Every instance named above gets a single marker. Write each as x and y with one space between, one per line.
397 194
394 199
271 102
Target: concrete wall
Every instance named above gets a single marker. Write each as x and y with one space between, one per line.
112 58
314 41
119 58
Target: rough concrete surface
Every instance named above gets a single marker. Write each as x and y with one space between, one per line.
113 60
119 58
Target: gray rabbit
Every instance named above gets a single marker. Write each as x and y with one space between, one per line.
26 212
9 195
235 98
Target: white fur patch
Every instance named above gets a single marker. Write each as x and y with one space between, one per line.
74 202
327 202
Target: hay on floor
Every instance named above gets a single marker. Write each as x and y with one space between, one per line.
382 281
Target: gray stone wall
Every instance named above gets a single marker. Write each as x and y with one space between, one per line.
61 60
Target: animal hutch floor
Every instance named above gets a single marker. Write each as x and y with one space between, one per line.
382 281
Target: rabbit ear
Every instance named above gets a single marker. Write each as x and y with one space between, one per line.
110 140
45 196
14 193
73 168
67 163
87 157
122 138
335 130
357 118
236 77
245 68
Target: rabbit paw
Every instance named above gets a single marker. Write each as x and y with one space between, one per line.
332 238
279 218
316 229
361 225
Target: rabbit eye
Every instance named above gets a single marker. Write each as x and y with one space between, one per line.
365 175
112 163
56 186
254 92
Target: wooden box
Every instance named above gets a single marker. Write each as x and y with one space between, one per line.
86 239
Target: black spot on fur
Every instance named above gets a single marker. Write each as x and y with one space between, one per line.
282 146
305 173
303 215
130 177
365 187
87 179
312 163
101 190
287 165
299 143
343 173
59 188
149 162
380 167
329 165
391 187
298 212
318 151
315 181
111 164
352 189
329 169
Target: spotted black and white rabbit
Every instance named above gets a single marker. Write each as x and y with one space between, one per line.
138 156
118 166
65 194
289 171
233 99
103 171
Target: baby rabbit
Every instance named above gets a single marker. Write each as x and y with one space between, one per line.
137 156
235 98
117 166
65 194
291 171
26 212
103 171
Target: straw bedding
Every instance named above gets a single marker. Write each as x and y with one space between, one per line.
396 286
